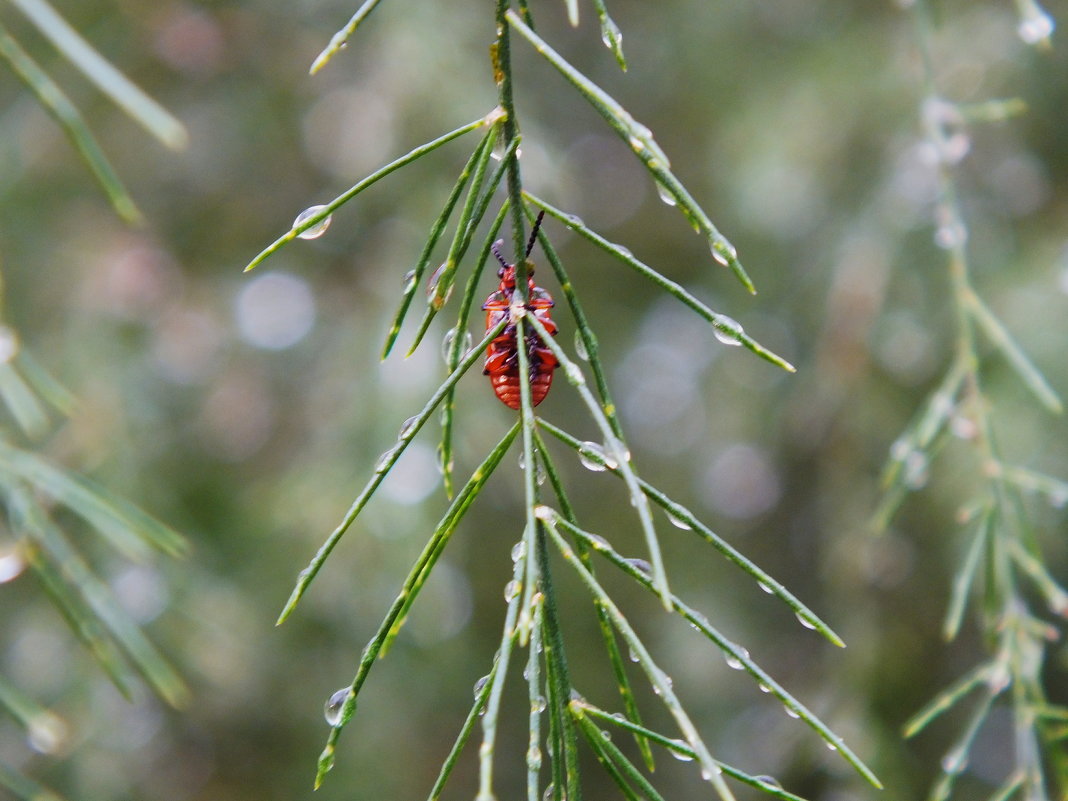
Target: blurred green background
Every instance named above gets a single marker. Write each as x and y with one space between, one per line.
247 410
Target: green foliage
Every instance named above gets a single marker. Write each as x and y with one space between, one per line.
532 618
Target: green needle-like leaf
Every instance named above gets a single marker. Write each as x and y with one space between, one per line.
640 139
710 768
341 38
681 748
617 452
965 579
770 585
610 34
63 111
417 576
124 525
736 655
143 655
23 787
1000 337
948 698
373 178
22 402
718 321
128 96
414 282
385 464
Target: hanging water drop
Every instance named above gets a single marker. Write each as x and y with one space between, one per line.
594 458
539 704
432 287
792 712
383 461
682 756
9 344
708 773
449 340
480 685
334 704
765 587
519 550
763 687
408 282
641 565
723 251
580 347
832 747
735 662
511 590
633 655
1036 25
678 522
12 563
665 194
611 35
769 781
317 230
730 336
804 621
46 732
407 426
916 470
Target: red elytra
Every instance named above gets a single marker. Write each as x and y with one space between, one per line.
502 355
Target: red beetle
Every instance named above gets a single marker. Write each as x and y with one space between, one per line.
502 356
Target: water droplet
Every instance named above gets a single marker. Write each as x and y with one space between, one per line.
594 458
46 732
916 470
605 734
498 113
534 757
334 705
511 589
500 147
832 747
539 704
723 251
548 794
543 512
1036 26
764 688
955 761
642 565
708 773
792 712
633 655
449 341
580 347
951 234
636 144
734 662
407 426
12 563
519 550
665 194
574 375
432 287
678 522
9 344
728 337
804 621
317 230
573 221
765 587
769 781
611 35
963 427
408 282
680 755
480 685
383 460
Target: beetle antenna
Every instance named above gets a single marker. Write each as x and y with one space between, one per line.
497 252
534 233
